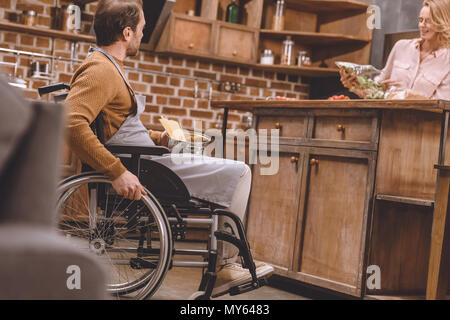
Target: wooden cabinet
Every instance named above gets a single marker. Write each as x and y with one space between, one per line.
191 35
236 42
187 35
209 38
323 28
362 207
310 219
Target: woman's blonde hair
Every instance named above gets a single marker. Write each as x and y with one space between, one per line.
440 18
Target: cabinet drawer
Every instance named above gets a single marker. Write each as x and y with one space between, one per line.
191 35
290 127
344 128
236 43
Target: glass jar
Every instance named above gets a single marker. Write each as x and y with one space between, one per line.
267 57
29 17
278 18
286 53
303 59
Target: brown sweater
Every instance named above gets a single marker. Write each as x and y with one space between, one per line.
97 87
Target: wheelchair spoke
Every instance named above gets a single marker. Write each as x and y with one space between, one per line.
125 234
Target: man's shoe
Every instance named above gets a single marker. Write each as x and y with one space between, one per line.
233 275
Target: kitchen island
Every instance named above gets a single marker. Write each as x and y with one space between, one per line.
350 208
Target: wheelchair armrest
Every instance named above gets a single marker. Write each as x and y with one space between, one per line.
51 88
138 150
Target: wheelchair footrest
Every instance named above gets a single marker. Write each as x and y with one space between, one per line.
249 286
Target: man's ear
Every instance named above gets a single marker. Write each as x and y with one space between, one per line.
126 33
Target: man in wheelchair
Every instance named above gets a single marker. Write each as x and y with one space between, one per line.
100 90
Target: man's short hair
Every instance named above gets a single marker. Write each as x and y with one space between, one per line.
113 16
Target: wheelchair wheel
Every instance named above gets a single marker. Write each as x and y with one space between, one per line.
132 238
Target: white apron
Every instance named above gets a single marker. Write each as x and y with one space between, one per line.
205 177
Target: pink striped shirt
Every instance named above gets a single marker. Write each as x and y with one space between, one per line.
430 78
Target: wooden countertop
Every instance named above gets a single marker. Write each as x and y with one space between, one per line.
250 105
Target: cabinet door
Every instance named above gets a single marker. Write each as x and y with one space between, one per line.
236 42
338 190
191 35
273 211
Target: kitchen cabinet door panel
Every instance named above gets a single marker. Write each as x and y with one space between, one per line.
334 225
193 36
236 43
272 217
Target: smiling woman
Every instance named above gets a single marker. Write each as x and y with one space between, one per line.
435 17
419 67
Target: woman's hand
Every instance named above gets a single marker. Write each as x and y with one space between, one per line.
349 81
388 84
164 141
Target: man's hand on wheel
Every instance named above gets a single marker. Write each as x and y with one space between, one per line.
128 186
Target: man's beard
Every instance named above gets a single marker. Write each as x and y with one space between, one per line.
132 51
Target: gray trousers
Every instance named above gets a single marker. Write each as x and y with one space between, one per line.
34 260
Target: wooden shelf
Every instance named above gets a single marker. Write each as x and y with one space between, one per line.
406 200
315 72
4 25
327 5
313 38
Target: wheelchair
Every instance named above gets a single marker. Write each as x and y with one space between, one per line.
138 240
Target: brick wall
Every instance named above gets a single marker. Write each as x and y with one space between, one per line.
167 82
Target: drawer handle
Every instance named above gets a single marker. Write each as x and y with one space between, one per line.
294 159
340 128
313 162
278 126
234 53
191 46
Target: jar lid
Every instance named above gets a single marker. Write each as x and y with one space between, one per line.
267 51
29 12
288 40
